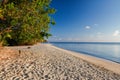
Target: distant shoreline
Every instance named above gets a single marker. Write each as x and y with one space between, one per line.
108 51
85 53
89 42
108 64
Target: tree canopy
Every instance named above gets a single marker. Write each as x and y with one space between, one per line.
24 22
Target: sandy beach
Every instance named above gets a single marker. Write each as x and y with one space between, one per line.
47 62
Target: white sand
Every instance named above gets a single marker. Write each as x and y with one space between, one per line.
46 62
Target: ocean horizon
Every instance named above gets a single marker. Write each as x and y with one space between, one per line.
105 50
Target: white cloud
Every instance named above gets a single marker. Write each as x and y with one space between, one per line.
87 27
116 33
96 24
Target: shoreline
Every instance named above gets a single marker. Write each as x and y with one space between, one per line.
84 53
107 64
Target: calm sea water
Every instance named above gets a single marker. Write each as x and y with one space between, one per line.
109 51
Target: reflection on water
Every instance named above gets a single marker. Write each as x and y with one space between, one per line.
106 51
117 51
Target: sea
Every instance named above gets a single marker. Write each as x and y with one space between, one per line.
105 50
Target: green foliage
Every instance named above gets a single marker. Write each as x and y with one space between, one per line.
25 22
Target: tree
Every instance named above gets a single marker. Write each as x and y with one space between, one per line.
25 22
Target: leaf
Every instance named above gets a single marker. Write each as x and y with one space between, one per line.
1 14
8 35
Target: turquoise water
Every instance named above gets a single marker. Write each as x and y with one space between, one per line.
109 51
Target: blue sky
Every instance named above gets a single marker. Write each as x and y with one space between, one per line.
86 21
